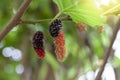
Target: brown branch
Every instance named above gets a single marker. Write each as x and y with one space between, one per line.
108 51
13 22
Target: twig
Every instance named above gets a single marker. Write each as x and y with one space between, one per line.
41 21
108 51
13 22
33 22
55 17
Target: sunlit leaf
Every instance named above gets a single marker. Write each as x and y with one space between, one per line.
81 11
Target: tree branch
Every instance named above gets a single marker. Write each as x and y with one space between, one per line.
108 51
13 22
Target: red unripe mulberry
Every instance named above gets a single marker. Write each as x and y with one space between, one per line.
60 46
81 26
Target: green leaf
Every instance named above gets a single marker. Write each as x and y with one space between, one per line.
81 11
59 2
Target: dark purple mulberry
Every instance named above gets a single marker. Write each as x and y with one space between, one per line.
55 28
38 44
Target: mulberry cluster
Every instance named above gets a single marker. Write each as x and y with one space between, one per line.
38 44
58 35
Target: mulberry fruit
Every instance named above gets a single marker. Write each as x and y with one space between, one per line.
100 29
38 44
55 28
60 46
81 26
58 35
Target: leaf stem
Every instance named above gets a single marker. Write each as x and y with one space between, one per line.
63 11
56 17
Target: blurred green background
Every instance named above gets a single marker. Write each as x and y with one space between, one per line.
84 49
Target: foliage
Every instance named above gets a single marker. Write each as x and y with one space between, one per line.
81 11
84 50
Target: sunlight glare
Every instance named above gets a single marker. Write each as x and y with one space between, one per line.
108 71
102 2
105 2
116 45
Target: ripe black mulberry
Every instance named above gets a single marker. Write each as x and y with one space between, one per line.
38 44
55 28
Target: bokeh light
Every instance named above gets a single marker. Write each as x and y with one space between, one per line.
12 53
7 51
16 55
19 69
